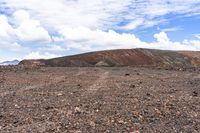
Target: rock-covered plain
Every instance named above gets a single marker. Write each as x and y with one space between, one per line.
99 100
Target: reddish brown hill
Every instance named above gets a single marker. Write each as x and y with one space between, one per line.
125 57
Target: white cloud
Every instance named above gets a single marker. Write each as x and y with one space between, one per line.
20 16
89 25
7 36
86 39
89 40
26 29
162 37
57 39
171 29
7 58
6 30
73 13
53 48
29 29
38 55
197 36
163 42
133 24
103 14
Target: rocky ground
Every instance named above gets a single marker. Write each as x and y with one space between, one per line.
99 100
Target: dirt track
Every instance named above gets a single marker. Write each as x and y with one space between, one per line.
101 100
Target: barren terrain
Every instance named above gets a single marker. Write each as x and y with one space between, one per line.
99 100
123 57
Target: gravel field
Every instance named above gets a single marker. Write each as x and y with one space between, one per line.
99 100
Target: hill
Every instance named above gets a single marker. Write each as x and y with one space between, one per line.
5 63
123 57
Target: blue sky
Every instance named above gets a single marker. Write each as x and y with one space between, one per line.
32 29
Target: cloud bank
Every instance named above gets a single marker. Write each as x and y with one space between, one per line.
50 28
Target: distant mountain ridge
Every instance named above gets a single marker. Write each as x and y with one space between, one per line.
124 57
5 63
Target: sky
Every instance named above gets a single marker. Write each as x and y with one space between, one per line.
34 29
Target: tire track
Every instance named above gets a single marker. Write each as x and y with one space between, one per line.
99 83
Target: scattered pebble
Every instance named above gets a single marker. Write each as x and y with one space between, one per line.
77 110
195 94
127 74
132 86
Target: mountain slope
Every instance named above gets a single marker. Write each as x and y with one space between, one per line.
5 63
125 57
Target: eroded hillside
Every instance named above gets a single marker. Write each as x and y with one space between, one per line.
125 57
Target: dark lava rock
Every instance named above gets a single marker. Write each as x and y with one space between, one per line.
195 94
98 122
49 108
132 86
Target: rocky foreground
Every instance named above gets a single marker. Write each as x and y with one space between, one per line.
99 100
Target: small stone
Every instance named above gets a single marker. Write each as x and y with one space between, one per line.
79 85
127 74
48 108
140 82
158 111
148 94
132 86
69 112
15 122
59 94
136 114
110 122
195 94
98 122
77 110
121 122
17 106
92 124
